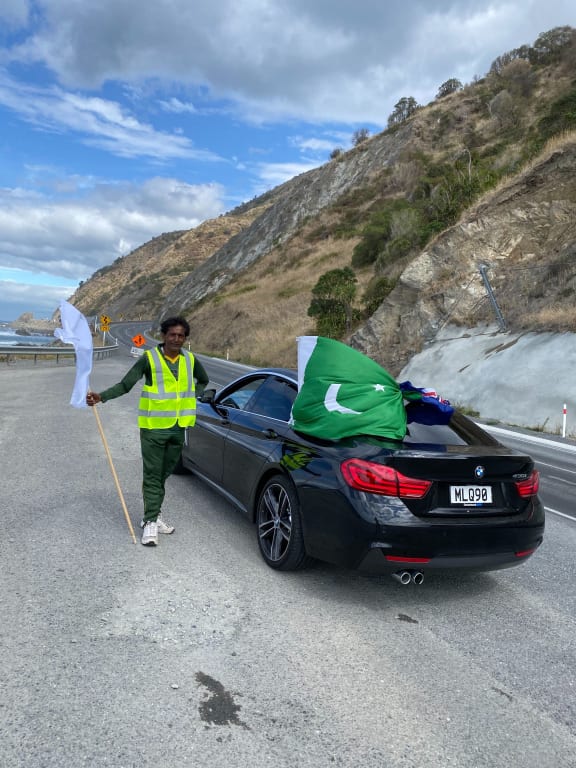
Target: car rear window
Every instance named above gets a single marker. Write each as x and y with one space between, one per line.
460 431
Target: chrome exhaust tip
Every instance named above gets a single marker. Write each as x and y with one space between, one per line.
404 577
417 577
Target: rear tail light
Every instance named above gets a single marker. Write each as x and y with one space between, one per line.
378 478
528 487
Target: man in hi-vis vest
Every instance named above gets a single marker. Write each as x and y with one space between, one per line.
172 379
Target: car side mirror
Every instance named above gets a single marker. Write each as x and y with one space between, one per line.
208 396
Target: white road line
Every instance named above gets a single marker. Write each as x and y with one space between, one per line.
560 479
555 512
530 438
555 466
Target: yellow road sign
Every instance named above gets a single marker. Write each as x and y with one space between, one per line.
105 320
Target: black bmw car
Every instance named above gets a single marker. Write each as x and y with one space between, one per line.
445 497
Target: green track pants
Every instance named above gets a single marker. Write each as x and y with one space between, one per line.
161 450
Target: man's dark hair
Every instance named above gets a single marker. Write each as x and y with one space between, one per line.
171 322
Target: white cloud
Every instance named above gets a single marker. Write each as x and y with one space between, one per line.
315 145
14 12
273 174
177 106
320 61
99 122
72 239
18 298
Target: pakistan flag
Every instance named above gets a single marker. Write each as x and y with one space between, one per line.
343 393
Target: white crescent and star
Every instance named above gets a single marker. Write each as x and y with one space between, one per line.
331 400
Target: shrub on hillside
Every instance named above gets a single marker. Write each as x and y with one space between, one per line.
450 86
332 303
561 117
359 136
403 109
550 46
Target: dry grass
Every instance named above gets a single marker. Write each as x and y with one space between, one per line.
552 319
264 312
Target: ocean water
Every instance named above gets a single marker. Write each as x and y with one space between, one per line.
9 337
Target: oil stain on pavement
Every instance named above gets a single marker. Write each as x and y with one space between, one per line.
406 618
219 708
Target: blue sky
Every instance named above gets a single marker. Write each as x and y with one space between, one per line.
121 120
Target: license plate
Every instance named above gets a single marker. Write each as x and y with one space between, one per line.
470 494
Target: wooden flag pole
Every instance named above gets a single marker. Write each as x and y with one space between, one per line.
114 475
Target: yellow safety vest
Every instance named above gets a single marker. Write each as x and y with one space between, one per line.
167 401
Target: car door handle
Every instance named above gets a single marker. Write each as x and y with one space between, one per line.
270 434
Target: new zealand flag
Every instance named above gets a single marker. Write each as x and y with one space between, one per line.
432 409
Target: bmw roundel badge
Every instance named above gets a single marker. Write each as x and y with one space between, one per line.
479 471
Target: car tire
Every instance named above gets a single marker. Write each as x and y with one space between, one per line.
279 526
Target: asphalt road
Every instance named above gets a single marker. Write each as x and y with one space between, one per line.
555 458
196 654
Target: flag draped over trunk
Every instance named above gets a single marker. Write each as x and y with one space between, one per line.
75 331
343 393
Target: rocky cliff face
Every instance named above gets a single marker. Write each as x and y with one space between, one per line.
293 203
136 286
524 232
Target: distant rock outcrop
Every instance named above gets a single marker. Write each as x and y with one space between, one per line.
28 325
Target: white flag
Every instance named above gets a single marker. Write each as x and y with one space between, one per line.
75 331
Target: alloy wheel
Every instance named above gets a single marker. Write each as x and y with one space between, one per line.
274 522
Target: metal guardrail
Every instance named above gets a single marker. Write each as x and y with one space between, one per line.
8 354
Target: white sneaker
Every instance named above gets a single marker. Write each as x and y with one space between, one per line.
150 534
162 526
